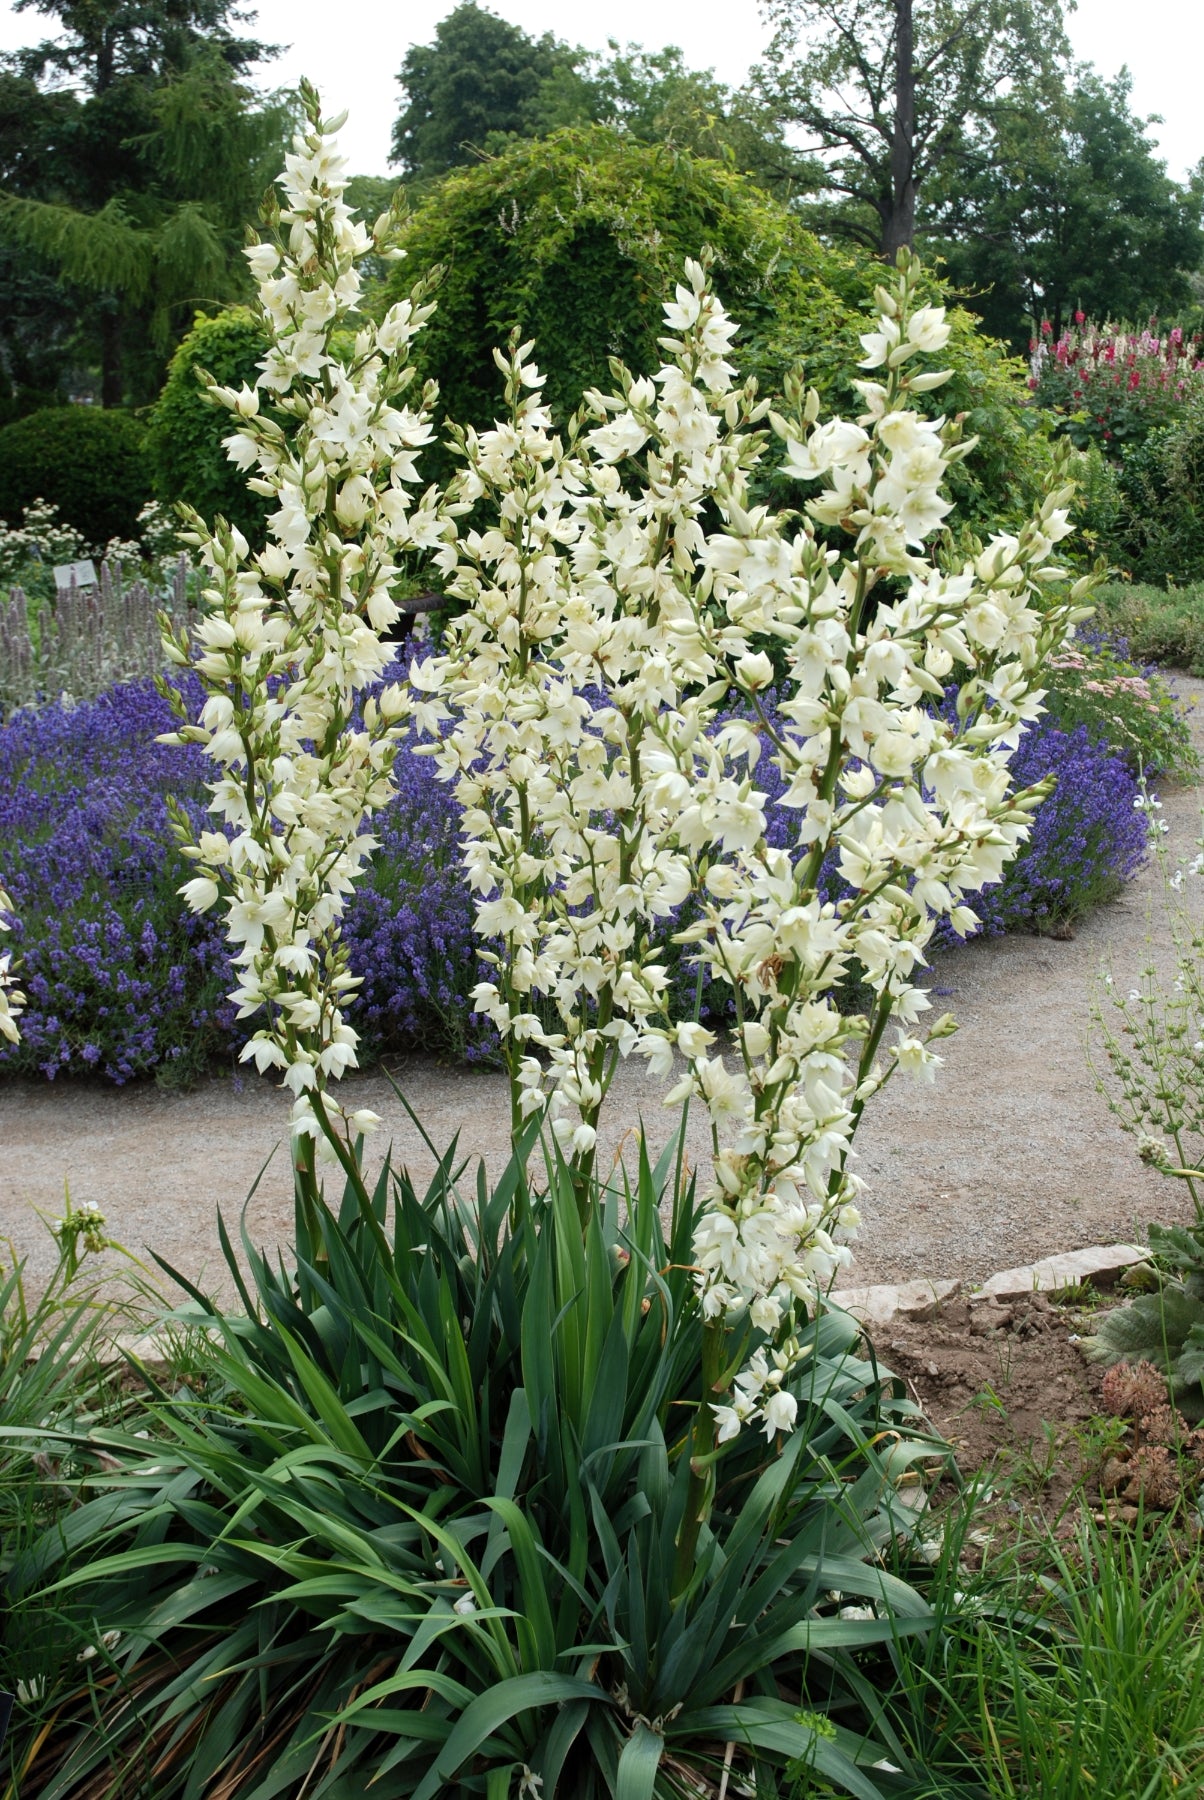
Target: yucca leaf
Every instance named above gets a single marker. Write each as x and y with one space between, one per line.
548 1757
775 1728
490 1711
606 1402
534 1573
515 1440
151 1556
638 1764
326 1403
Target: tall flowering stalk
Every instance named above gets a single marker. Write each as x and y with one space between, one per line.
292 635
566 679
622 584
630 586
12 1000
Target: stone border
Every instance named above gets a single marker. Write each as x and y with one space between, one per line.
922 1299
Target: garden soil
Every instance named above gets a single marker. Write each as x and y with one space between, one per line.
1010 1156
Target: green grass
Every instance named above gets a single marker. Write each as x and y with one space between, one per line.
1068 1668
1163 625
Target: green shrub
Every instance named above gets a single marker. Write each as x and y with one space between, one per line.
1161 528
1160 625
1098 506
1122 709
88 462
577 240
187 459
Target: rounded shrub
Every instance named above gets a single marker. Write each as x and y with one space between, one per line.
1161 527
576 240
187 458
87 461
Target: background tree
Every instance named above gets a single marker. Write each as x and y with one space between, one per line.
654 97
481 75
483 84
38 315
143 158
1067 205
888 92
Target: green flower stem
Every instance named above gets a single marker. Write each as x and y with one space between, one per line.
700 1496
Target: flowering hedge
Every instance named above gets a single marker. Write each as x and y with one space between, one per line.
122 981
1112 385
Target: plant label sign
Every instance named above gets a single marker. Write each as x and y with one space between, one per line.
74 574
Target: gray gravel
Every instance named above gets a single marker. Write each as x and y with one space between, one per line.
1012 1155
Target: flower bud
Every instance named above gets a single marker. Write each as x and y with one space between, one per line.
754 672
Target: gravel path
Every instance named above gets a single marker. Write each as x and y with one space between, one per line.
1011 1156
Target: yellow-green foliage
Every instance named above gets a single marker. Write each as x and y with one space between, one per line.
578 238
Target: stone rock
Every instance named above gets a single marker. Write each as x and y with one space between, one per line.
1101 1263
878 1305
988 1318
923 1299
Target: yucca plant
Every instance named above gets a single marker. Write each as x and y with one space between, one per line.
409 1529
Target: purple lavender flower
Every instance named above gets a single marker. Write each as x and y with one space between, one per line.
1087 840
122 980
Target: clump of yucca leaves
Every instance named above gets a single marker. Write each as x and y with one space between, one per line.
407 1529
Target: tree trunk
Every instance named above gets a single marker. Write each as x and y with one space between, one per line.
899 227
112 388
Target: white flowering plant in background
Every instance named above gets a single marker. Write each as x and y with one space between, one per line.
1151 1035
12 1000
623 588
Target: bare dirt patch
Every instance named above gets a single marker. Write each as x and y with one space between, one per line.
1000 1382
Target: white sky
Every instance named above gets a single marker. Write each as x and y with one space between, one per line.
352 50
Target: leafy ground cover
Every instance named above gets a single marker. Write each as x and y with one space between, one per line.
122 981
1162 625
